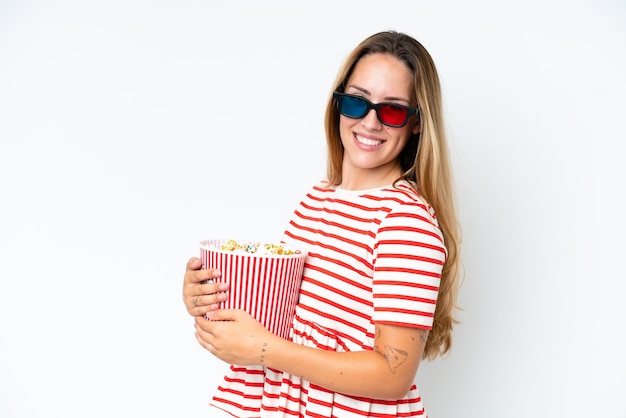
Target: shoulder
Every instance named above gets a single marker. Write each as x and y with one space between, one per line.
403 196
409 207
320 189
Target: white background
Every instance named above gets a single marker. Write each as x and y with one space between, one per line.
131 130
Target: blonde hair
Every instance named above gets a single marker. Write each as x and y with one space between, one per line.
424 160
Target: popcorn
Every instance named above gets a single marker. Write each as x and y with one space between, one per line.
257 248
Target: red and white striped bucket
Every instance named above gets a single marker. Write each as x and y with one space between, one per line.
265 286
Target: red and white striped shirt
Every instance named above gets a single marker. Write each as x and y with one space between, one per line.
374 256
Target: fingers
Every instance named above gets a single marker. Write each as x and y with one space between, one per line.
200 299
216 316
202 335
200 305
200 293
225 315
193 275
201 311
194 263
211 300
209 289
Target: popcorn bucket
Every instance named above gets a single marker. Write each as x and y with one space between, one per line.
264 285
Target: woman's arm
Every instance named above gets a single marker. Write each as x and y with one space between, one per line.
387 372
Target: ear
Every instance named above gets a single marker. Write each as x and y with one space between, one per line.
417 128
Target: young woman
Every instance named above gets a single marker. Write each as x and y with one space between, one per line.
380 282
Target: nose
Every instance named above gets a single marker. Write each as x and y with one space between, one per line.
370 121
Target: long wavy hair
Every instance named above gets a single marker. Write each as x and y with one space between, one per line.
424 161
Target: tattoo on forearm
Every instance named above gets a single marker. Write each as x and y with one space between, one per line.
395 357
263 350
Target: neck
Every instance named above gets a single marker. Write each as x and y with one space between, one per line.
363 179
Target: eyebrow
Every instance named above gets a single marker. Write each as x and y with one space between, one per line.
368 93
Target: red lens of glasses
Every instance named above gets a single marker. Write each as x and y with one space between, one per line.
392 115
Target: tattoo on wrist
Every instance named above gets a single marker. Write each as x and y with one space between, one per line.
263 350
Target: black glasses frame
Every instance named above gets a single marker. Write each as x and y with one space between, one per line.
337 95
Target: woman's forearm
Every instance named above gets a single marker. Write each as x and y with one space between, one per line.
387 372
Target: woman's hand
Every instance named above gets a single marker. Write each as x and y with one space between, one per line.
235 337
200 296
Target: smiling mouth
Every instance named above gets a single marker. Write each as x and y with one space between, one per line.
367 141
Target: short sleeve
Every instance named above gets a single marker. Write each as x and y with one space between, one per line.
408 261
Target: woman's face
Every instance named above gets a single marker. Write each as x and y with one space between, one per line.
371 149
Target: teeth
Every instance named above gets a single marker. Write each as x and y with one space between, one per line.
367 141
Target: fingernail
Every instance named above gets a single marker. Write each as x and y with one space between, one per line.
223 286
209 315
